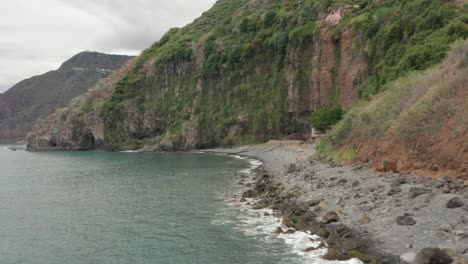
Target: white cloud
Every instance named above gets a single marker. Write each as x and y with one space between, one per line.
37 36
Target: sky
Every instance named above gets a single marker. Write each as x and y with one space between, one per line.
37 36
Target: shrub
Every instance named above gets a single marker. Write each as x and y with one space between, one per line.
326 116
303 33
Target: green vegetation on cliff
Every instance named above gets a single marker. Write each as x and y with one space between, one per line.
241 52
248 71
419 117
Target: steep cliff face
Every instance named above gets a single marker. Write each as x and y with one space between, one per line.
38 96
249 71
419 125
79 126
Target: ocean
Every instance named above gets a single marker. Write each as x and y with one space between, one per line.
110 207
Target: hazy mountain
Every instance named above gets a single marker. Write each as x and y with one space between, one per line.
39 96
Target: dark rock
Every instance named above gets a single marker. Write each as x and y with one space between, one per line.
446 179
323 232
394 191
291 168
343 231
319 185
312 203
248 185
321 245
359 255
455 202
289 231
243 200
342 181
398 182
260 205
330 217
335 254
417 191
250 194
357 195
278 230
355 183
432 256
406 220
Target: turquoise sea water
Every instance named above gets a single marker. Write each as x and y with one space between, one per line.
94 207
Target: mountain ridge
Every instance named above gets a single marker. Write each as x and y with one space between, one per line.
38 96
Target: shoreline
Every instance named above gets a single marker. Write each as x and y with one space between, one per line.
376 217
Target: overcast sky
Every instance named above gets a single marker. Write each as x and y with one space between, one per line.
38 35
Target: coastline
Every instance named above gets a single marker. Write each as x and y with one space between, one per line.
376 217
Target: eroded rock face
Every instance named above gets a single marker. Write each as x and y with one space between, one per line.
312 75
75 128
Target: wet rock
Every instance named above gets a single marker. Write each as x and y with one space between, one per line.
355 184
289 231
394 191
323 232
335 254
309 249
248 185
343 231
278 230
359 255
455 202
417 191
330 217
432 256
260 205
250 194
406 220
243 200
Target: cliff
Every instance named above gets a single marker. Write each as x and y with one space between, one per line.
419 125
39 96
248 71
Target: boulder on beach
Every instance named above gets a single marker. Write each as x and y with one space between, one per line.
432 256
455 202
406 220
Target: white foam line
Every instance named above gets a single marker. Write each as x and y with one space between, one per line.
262 225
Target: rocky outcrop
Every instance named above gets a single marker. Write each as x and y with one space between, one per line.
306 81
80 125
250 71
39 96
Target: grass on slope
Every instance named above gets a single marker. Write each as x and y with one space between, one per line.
414 106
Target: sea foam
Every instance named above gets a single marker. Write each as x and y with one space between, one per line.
261 224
